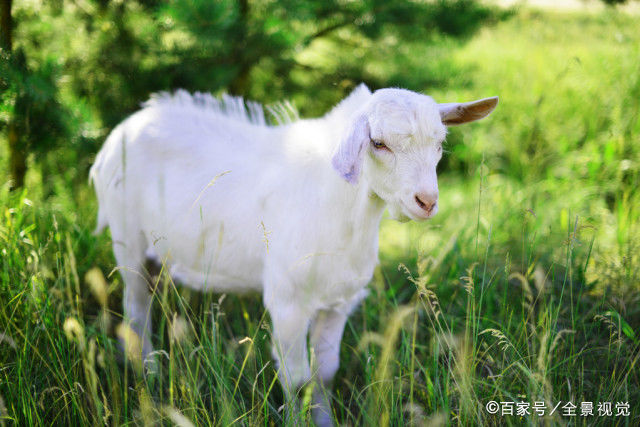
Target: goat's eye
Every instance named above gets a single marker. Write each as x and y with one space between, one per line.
439 149
379 145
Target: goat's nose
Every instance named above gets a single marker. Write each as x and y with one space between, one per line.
426 201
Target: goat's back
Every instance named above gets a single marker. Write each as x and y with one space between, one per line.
205 191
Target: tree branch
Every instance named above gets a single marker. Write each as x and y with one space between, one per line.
324 31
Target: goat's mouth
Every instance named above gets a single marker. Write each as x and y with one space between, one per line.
417 214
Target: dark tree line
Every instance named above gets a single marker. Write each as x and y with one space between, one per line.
66 64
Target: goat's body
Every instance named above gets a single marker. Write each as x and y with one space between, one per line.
232 206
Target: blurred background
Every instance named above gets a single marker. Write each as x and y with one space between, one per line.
539 203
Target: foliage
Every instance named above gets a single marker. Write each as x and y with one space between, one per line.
30 100
614 2
120 52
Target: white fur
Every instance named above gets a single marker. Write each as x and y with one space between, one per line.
232 205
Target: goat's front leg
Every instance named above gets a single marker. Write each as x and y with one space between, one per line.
326 335
290 327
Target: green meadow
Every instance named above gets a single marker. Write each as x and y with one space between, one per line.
524 288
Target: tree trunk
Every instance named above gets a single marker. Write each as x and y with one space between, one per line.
17 155
240 83
5 26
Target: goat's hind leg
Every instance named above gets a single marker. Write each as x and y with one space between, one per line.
137 298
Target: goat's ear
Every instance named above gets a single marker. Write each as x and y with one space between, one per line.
347 159
459 113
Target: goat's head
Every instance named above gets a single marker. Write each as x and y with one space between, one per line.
396 141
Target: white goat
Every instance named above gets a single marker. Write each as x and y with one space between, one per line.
231 204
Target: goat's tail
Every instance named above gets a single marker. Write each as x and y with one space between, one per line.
94 179
102 174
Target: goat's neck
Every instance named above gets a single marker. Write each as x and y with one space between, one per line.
366 210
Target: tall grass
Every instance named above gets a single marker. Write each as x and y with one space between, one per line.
524 288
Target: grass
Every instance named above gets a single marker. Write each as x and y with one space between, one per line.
524 288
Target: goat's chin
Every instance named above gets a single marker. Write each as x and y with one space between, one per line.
398 213
404 214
